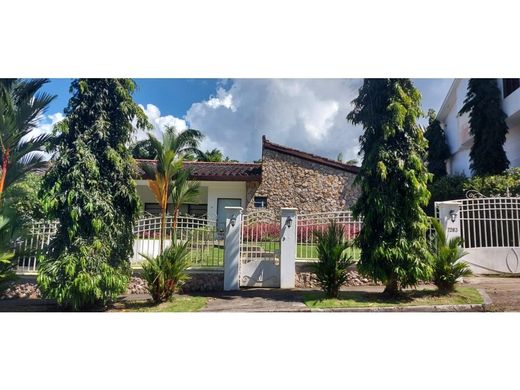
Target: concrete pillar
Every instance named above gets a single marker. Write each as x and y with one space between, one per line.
232 248
287 247
449 217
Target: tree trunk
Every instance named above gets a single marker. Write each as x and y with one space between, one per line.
5 162
163 230
392 287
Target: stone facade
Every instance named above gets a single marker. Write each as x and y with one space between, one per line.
309 186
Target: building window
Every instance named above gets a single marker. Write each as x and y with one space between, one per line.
260 201
510 85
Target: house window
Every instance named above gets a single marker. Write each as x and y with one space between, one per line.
260 201
510 85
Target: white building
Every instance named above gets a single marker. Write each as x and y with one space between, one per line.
457 127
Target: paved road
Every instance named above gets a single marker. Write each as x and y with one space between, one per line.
503 291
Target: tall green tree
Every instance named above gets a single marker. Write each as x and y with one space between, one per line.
488 127
183 191
393 181
90 191
22 105
142 150
438 149
170 153
214 155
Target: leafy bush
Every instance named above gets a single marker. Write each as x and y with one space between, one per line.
305 233
261 232
497 184
331 269
167 272
456 186
447 267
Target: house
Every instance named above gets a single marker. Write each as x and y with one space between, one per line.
286 177
457 127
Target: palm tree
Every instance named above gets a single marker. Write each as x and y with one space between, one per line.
214 155
21 107
183 192
170 154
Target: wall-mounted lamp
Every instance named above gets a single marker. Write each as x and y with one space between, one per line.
233 220
453 215
288 222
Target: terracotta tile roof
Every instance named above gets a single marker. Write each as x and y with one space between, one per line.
266 144
217 171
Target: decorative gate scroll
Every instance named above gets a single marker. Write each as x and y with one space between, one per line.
260 250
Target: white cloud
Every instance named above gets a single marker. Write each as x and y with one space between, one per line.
159 122
307 114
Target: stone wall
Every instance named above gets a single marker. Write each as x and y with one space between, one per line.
290 181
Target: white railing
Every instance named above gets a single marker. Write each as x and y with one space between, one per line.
27 251
490 222
205 243
308 224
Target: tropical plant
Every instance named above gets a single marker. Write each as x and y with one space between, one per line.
488 127
393 183
21 108
142 150
214 155
89 189
22 197
183 191
332 267
169 154
447 266
167 272
438 149
6 251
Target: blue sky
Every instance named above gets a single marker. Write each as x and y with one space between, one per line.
307 114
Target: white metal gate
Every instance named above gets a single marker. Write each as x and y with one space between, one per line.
490 232
260 250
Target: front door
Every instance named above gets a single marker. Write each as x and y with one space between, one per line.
222 203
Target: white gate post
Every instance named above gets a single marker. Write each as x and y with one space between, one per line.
287 247
449 217
232 248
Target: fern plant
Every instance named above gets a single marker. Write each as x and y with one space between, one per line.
331 268
447 266
167 272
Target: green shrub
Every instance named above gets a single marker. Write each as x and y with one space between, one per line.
445 188
82 278
331 268
167 272
497 184
447 266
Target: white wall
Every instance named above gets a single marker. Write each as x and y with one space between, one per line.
210 192
457 128
224 189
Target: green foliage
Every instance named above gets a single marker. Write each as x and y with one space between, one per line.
143 150
487 125
214 155
331 269
23 198
167 272
90 191
6 252
393 181
496 184
438 149
446 188
21 106
447 266
456 186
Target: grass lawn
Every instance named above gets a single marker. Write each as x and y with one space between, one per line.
208 257
304 251
181 303
355 299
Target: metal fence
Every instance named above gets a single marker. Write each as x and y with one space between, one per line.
205 243
491 222
27 251
308 224
260 236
